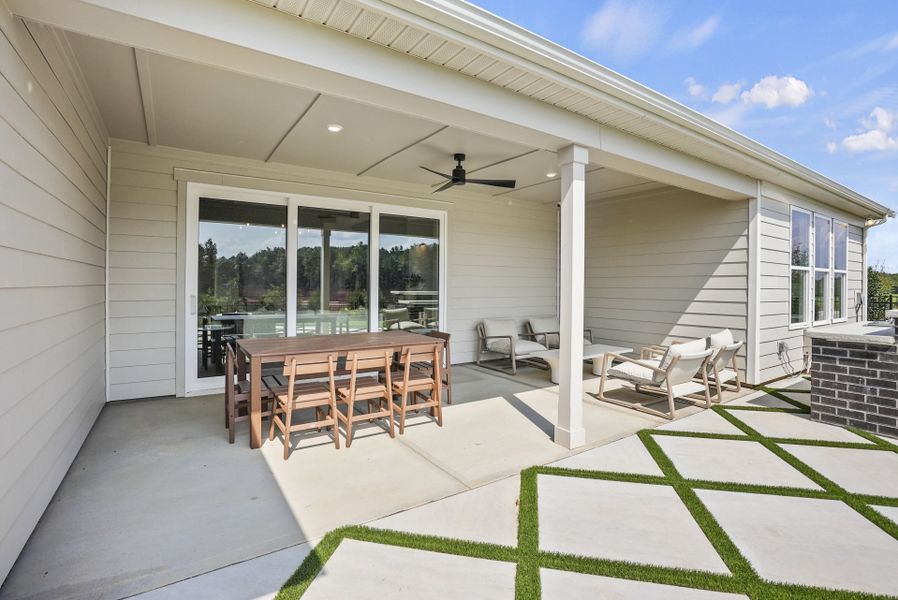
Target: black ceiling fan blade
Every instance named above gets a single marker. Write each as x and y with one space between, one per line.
445 186
505 183
436 172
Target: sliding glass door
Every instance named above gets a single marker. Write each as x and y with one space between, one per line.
261 265
241 284
332 271
409 278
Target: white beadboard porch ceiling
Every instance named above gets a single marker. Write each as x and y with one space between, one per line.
161 100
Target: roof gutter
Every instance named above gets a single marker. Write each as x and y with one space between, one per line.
497 35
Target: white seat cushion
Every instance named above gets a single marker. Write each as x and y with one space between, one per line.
521 347
404 325
721 339
635 372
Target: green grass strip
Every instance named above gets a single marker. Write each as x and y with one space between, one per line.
527 581
529 559
780 395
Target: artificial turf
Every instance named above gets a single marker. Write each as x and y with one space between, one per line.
530 559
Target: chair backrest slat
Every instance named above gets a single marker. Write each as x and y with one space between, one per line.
309 364
423 353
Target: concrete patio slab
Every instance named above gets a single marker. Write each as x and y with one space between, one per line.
732 461
623 456
873 472
761 399
621 521
487 514
565 585
257 579
362 570
807 541
791 383
795 426
890 512
706 421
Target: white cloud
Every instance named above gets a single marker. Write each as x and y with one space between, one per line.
626 30
726 93
879 126
885 43
830 123
696 90
773 91
831 147
693 37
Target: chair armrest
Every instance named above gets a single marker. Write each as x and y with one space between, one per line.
652 350
620 357
587 333
499 337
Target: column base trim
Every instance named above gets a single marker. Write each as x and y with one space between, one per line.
569 439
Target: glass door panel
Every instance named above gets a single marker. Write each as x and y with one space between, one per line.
332 271
409 277
241 277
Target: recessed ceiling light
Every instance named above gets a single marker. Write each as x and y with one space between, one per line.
335 128
551 174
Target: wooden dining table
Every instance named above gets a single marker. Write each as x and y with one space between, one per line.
261 351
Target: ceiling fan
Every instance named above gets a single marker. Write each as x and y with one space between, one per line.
458 177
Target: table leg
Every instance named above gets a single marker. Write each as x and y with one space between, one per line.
255 403
553 370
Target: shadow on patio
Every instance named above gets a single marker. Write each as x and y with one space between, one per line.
157 495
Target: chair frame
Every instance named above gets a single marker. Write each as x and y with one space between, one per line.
418 387
445 362
587 333
367 360
654 390
236 399
306 395
512 355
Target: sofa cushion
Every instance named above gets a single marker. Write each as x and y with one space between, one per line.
521 346
635 372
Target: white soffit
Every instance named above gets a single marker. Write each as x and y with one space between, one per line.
368 135
111 74
212 110
410 35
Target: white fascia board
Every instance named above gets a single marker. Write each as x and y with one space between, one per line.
494 32
245 37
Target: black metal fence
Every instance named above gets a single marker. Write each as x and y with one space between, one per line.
877 307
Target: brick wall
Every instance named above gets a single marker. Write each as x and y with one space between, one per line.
855 384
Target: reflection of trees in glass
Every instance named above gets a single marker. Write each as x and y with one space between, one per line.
800 256
348 273
241 282
408 268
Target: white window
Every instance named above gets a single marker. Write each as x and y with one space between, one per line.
800 269
840 271
822 265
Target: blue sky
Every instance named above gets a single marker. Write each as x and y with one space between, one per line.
817 81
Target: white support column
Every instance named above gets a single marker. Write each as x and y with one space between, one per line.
572 162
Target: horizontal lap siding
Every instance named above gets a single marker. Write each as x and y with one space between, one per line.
775 288
52 265
666 266
501 260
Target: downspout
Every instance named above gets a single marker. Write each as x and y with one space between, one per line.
106 278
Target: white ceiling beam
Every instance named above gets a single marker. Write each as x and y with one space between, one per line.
142 61
248 38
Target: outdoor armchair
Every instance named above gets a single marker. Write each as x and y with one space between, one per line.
500 336
398 318
722 365
673 376
546 331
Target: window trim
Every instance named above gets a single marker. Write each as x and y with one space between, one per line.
843 272
809 269
827 271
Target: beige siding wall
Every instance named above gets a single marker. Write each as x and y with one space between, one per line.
775 280
669 265
501 258
52 261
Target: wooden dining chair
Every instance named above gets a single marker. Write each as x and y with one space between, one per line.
445 363
373 390
419 388
300 395
237 395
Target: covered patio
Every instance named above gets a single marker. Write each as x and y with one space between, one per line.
157 495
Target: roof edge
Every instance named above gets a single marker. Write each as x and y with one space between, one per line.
487 28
